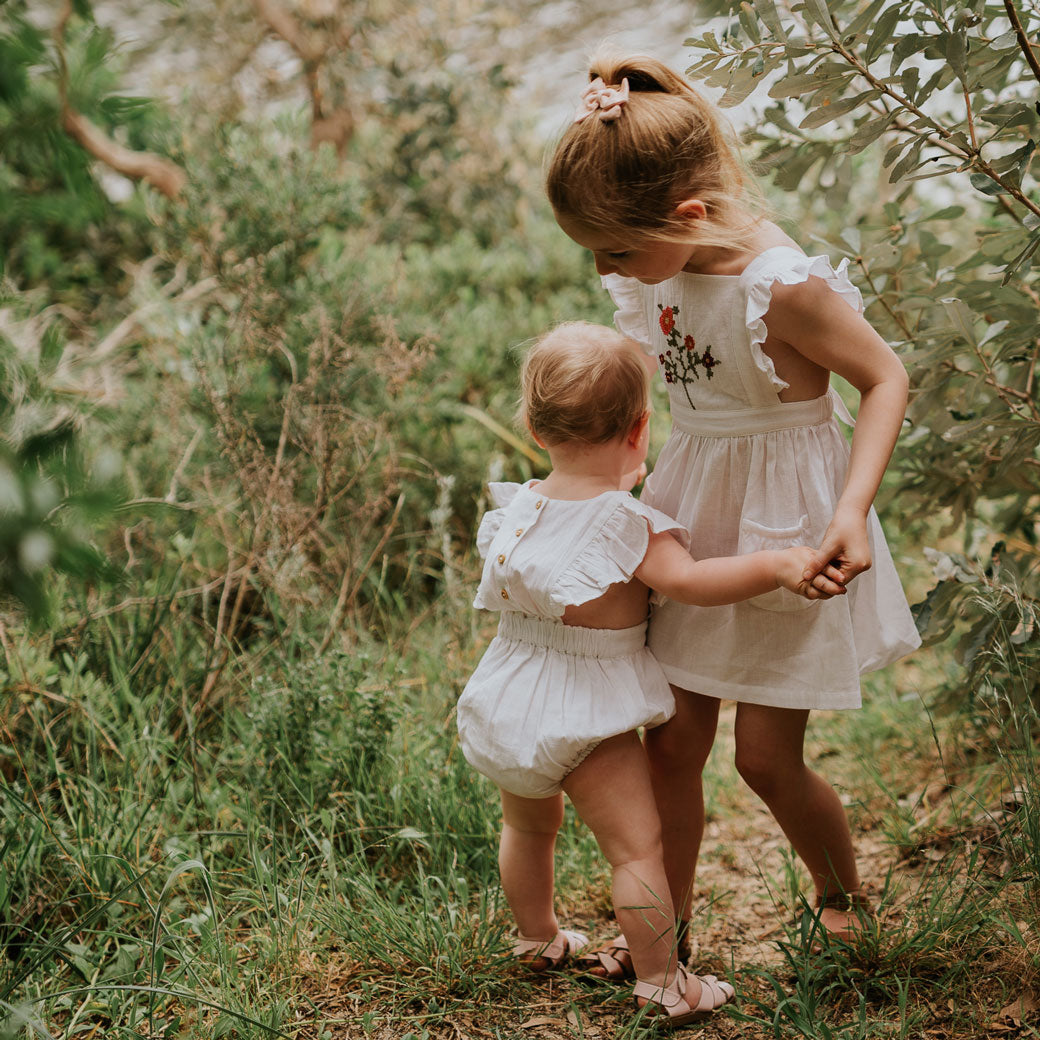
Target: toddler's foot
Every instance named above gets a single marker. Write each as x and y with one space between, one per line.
548 954
689 998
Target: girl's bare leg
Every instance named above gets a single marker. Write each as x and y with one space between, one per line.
525 861
629 833
677 752
770 759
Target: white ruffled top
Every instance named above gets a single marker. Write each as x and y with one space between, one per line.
719 313
543 554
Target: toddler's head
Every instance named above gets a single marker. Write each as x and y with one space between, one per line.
623 175
582 383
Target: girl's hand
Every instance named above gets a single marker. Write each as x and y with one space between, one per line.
795 563
845 546
629 480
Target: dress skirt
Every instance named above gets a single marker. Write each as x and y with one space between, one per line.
767 478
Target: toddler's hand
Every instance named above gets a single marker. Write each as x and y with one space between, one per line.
845 546
798 561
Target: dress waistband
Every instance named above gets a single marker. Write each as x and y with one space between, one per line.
739 422
572 639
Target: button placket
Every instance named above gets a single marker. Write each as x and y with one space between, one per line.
527 518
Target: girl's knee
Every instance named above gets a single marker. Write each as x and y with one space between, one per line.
762 772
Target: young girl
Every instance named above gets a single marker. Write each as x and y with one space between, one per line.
745 329
555 701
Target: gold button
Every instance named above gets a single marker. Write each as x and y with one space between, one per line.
538 504
501 557
505 595
519 531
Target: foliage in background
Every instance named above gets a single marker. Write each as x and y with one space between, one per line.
945 241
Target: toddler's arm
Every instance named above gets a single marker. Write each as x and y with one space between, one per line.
672 571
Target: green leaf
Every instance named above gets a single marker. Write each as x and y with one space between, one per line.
984 183
956 46
768 14
908 45
749 23
881 37
865 18
1020 261
825 113
819 14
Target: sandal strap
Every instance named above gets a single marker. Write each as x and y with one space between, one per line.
843 901
555 950
614 958
667 997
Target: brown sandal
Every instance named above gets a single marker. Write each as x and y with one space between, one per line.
611 961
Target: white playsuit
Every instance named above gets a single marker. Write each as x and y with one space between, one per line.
743 471
545 693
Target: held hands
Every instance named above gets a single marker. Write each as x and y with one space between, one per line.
845 546
795 563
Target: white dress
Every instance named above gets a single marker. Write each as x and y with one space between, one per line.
743 471
545 693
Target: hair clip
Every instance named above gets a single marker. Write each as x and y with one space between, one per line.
607 101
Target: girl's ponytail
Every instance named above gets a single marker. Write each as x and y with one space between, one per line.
624 177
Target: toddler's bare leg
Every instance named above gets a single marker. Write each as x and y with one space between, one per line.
525 861
678 751
629 833
769 758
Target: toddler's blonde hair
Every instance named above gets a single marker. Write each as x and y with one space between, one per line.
625 177
582 382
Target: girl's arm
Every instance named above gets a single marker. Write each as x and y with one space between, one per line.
672 571
823 328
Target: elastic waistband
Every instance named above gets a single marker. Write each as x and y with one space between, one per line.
572 639
739 422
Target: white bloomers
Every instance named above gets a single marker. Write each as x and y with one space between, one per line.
545 694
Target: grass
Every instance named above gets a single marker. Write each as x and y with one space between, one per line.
311 858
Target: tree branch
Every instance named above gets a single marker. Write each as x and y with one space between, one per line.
1023 40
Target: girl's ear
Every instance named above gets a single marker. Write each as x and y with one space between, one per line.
692 209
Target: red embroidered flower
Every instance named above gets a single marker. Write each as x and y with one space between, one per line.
689 343
667 320
668 378
660 357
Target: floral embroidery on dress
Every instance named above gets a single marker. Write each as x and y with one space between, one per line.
682 362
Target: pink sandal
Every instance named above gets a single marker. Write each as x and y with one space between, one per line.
667 1005
548 954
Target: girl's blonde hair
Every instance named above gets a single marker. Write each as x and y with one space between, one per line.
582 382
625 177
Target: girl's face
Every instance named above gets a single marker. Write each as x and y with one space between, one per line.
646 260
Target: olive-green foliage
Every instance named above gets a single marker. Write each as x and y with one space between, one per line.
944 243
55 487
57 227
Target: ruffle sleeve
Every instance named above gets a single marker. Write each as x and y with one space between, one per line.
788 267
502 493
630 316
613 553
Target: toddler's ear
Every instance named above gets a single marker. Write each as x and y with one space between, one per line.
638 428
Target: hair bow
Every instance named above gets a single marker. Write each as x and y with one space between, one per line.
607 101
